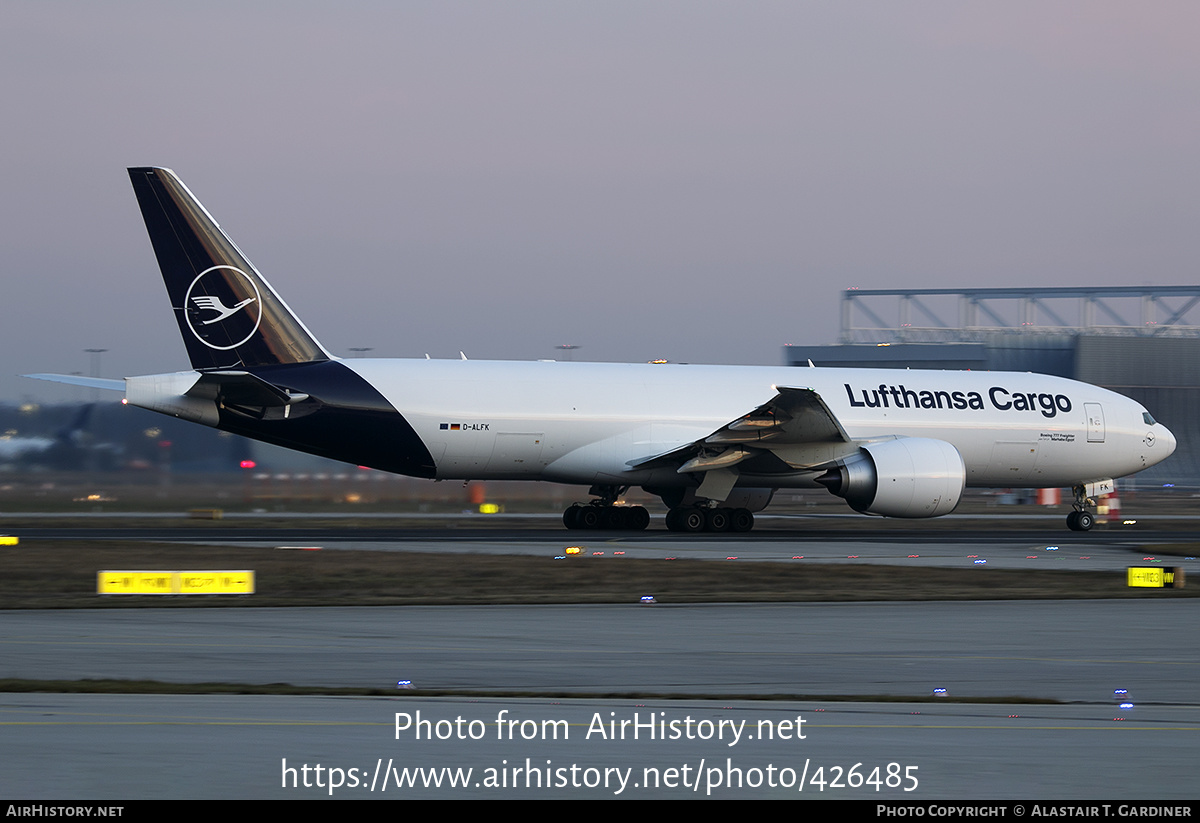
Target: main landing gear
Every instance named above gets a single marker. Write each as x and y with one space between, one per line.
602 514
595 517
705 519
1081 520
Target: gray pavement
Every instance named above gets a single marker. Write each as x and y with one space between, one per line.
1064 650
59 747
120 747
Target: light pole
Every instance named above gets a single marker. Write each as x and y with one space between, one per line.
95 353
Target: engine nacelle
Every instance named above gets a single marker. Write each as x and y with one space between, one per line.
905 477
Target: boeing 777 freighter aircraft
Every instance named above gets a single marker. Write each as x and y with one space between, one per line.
714 442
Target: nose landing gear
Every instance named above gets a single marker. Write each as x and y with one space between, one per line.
1081 520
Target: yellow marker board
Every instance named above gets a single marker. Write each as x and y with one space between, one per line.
133 582
217 582
175 582
1154 577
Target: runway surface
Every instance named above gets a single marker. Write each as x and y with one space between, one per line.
854 541
178 747
114 746
61 746
1064 650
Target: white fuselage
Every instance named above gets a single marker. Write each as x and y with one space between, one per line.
589 422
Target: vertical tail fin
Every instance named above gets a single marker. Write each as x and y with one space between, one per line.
229 316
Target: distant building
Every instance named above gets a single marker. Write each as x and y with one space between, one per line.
1132 340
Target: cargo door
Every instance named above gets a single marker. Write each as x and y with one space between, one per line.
517 453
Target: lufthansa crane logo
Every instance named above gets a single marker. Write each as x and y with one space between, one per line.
215 304
223 307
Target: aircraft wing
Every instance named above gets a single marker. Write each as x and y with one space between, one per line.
794 426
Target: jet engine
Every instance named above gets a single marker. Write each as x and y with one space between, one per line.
905 477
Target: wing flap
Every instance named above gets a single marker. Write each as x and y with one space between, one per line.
793 419
794 416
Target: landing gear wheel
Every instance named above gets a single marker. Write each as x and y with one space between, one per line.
588 517
741 520
716 520
690 520
1081 521
638 518
607 518
612 518
703 519
571 518
673 520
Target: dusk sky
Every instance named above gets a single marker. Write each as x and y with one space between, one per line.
689 180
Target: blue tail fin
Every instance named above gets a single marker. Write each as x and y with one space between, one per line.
229 316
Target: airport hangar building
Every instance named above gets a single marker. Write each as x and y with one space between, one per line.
1132 340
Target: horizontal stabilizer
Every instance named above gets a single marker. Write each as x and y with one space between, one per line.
77 380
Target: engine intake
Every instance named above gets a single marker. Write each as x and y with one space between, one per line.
905 477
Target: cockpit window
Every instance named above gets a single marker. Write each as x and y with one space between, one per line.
1148 418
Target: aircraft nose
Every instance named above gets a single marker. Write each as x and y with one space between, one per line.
1167 439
